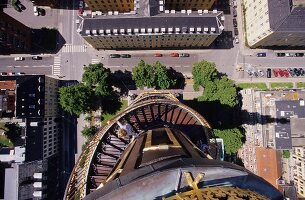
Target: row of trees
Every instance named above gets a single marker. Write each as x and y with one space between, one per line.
152 76
220 105
83 97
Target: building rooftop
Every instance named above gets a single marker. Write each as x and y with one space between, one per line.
150 15
268 162
25 92
286 15
34 139
285 110
297 131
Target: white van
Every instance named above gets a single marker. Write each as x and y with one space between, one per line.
36 13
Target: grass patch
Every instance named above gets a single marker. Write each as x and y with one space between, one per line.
286 154
300 85
5 142
260 86
109 115
281 85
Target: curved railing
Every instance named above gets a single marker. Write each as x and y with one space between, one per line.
77 184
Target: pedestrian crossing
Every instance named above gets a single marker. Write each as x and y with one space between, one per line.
73 48
56 66
95 60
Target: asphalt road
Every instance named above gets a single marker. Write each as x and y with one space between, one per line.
28 65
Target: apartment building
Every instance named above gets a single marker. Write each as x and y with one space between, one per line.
274 23
15 37
108 5
151 26
189 4
298 156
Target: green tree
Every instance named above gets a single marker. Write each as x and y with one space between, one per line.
232 139
203 72
222 90
163 78
226 92
143 74
75 99
286 154
98 77
88 132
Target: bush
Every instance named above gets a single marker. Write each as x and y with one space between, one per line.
286 154
259 86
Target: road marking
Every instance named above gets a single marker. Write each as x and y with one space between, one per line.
9 66
18 66
73 48
95 60
56 66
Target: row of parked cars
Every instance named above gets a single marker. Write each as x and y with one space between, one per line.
156 55
289 72
22 58
11 73
282 54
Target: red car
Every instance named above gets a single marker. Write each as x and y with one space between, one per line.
275 72
158 55
174 55
81 8
281 73
286 73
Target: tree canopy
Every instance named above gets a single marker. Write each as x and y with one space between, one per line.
88 132
203 72
75 99
156 75
222 90
98 77
232 138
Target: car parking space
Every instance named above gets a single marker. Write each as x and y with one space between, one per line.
253 72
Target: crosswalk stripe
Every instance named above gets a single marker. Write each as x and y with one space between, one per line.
95 60
73 48
56 66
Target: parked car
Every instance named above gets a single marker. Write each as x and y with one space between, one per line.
36 58
261 73
255 74
302 71
296 71
42 12
11 73
19 58
280 54
3 74
290 54
234 22
275 72
261 54
20 73
158 55
174 55
81 8
286 73
268 73
184 55
235 31
36 12
125 55
291 72
234 12
236 40
299 54
114 56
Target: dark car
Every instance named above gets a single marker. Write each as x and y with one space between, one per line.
234 12
125 55
280 54
261 54
235 22
296 71
184 55
3 73
299 54
36 58
235 31
291 72
268 73
114 56
302 71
